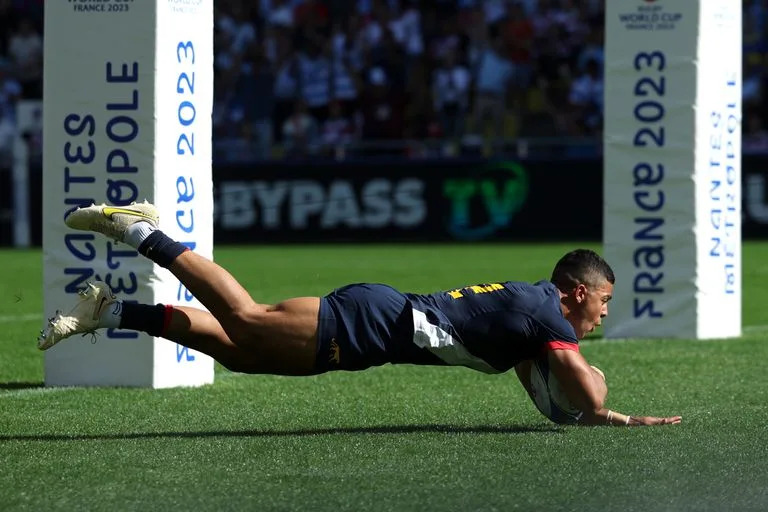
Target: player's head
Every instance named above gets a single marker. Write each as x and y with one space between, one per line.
585 282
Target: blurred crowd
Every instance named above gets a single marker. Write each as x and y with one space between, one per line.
300 78
329 78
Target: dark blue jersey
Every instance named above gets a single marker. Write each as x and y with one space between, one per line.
490 327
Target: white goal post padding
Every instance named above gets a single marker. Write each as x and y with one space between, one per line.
128 91
672 215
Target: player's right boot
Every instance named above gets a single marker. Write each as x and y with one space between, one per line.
112 221
82 318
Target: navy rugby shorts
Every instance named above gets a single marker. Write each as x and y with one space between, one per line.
365 325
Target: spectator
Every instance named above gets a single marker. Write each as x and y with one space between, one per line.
552 64
8 20
518 42
239 31
10 93
32 134
233 33
315 76
494 78
448 39
25 48
342 79
374 25
553 78
755 135
254 100
337 131
311 16
475 30
586 99
755 19
382 110
391 58
568 15
450 86
7 136
279 14
345 44
542 20
287 81
418 111
752 85
300 132
494 10
592 50
406 30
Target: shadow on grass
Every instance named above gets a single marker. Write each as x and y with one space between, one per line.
9 386
383 429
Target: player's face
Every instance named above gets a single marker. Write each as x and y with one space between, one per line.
592 307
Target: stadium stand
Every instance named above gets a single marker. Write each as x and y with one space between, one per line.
410 78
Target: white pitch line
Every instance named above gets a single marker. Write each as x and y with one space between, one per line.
13 393
6 319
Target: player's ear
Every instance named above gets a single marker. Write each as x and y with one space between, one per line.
580 293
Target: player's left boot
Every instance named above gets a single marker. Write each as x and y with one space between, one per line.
82 318
112 221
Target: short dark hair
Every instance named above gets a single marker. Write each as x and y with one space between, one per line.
581 266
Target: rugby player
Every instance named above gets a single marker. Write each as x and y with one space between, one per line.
491 327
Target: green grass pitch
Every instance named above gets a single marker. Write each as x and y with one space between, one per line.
391 438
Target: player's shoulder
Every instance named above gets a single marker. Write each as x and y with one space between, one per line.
535 293
549 314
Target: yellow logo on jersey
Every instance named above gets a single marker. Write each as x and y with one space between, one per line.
335 356
478 288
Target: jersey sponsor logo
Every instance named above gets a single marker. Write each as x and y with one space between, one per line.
335 353
475 289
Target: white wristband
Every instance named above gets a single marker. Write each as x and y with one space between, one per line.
609 417
628 417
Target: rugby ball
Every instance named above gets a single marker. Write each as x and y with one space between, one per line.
549 397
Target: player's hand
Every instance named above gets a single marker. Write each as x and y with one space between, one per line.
652 420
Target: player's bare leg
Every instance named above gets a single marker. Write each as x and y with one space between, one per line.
96 307
201 331
277 339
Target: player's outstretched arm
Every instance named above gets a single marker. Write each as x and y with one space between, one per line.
610 417
585 387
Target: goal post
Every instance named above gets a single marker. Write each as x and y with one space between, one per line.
128 91
672 167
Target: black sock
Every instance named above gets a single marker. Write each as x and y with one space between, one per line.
143 317
161 249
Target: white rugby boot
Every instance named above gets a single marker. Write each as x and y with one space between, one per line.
82 318
112 221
